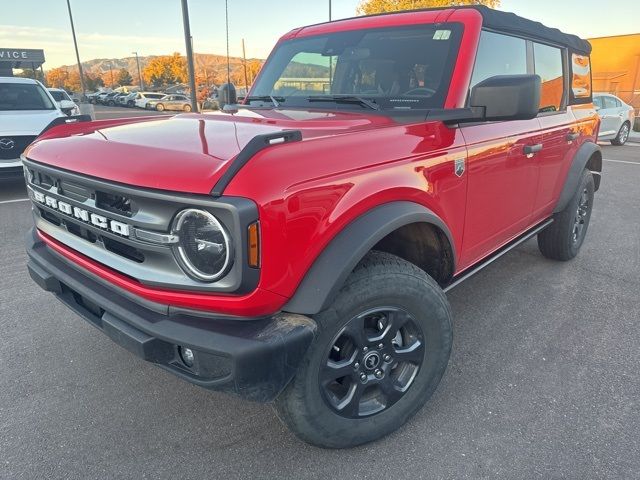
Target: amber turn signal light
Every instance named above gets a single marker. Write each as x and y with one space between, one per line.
253 239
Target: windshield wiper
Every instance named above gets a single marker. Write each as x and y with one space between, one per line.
345 99
276 101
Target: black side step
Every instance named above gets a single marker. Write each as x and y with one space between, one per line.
256 144
510 246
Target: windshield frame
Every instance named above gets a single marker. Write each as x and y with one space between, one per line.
386 103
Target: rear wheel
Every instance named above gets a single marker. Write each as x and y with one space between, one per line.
187 108
623 134
160 107
564 237
381 350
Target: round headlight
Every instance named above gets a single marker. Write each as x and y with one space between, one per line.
204 250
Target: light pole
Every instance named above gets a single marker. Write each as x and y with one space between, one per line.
329 10
75 44
187 42
111 72
139 72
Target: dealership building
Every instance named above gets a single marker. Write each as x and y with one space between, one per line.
11 58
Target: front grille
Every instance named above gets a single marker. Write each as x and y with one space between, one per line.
100 219
12 147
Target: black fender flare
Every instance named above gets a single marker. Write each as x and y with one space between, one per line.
331 268
578 164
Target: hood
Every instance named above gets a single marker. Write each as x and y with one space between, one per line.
186 153
27 122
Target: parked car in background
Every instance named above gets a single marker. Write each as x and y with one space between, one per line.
109 98
99 99
170 102
64 101
129 100
616 118
144 97
26 109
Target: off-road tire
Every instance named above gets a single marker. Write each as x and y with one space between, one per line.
559 241
623 134
379 280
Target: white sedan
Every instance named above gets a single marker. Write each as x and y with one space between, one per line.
616 118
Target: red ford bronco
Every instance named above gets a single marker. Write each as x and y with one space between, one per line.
297 248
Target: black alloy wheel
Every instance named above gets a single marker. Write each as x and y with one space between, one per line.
372 362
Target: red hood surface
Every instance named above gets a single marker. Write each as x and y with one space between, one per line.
185 153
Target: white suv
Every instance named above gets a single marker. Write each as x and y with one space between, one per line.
144 97
26 109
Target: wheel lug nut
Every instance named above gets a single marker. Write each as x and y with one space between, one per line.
363 377
356 366
365 349
387 358
380 346
378 373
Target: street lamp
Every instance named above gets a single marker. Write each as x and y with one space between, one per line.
139 73
111 72
75 44
188 44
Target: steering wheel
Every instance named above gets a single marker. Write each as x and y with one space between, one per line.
420 91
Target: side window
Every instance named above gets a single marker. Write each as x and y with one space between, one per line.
609 102
548 65
499 55
597 101
580 76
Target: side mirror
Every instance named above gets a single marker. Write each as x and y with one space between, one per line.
67 106
227 95
507 97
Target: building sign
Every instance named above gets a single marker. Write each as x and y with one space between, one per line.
21 56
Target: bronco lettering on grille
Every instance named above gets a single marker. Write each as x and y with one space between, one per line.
86 216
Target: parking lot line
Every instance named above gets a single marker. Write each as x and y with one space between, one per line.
621 161
15 200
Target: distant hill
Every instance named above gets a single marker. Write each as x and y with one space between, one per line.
207 62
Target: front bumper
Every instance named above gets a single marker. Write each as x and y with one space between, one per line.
254 359
11 169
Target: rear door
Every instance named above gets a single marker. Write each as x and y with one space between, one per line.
560 135
503 174
610 116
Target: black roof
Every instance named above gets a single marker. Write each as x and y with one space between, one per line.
508 22
511 23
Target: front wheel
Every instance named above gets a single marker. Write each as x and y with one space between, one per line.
381 350
563 238
187 108
160 107
623 135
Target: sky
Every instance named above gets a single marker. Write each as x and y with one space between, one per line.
115 28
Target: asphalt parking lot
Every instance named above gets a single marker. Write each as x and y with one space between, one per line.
543 382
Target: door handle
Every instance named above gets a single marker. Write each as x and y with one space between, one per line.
531 150
572 136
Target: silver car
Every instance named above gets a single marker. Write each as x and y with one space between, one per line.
616 118
170 102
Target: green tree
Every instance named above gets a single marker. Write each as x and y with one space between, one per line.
369 7
124 77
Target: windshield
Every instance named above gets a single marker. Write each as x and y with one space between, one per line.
405 67
59 96
24 96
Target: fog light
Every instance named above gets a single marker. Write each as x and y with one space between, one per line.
186 354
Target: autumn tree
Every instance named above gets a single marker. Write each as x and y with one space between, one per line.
56 77
124 77
166 70
369 7
29 73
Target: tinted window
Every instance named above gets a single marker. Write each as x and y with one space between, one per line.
499 55
24 96
59 96
548 65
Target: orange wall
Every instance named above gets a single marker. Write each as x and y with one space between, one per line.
615 63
